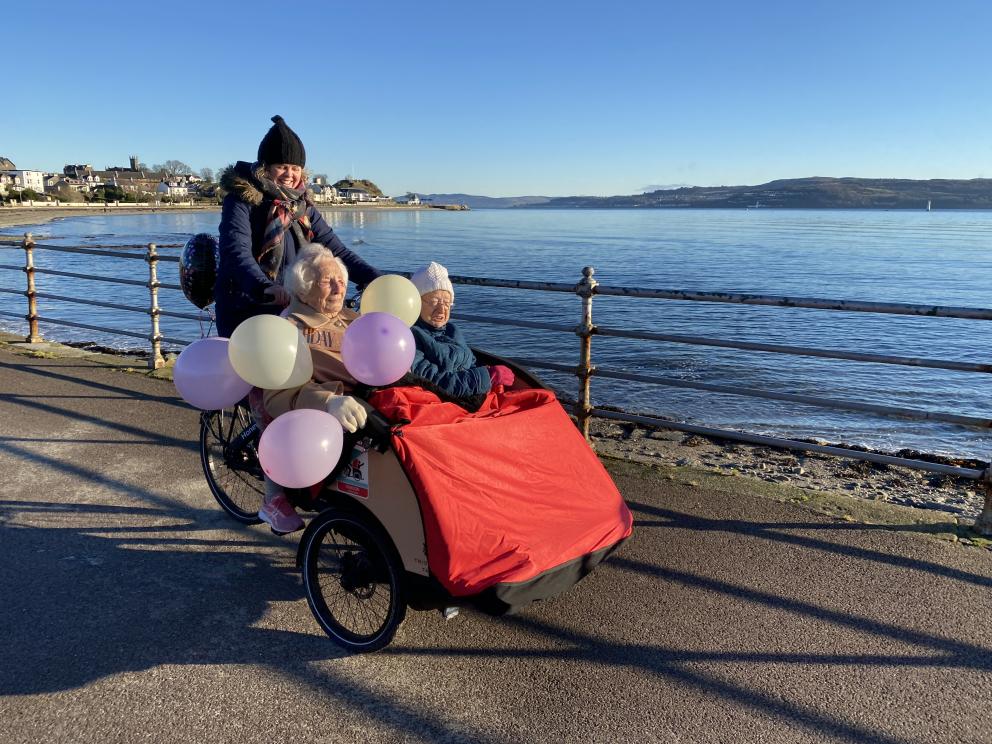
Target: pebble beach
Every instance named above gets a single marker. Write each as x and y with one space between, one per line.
953 496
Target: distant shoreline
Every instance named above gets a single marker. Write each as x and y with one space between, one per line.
800 193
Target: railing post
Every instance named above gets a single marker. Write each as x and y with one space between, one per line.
33 336
585 289
983 525
155 361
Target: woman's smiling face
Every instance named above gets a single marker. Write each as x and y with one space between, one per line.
285 174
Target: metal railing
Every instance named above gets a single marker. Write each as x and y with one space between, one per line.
587 289
149 254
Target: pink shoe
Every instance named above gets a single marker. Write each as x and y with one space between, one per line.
280 515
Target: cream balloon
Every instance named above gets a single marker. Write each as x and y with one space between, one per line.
302 365
270 353
393 294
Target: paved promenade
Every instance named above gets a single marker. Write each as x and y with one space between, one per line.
132 609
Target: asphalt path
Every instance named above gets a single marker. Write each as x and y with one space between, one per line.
133 609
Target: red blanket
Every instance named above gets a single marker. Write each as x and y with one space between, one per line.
507 492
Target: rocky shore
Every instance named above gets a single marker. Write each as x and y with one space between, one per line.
955 497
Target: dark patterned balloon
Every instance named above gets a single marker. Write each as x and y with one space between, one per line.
198 269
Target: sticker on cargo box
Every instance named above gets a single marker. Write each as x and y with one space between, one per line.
354 477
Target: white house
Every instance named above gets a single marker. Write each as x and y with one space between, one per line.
324 193
355 195
171 188
27 179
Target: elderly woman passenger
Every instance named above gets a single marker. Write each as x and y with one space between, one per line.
316 283
443 356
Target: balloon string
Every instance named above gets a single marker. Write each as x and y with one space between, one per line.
210 325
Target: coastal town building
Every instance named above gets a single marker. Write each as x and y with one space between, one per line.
173 188
134 166
72 184
138 182
132 179
26 179
135 179
324 193
354 195
78 170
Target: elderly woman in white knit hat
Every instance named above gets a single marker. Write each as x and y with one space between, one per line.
443 356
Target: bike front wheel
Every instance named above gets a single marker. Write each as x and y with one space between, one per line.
352 578
229 455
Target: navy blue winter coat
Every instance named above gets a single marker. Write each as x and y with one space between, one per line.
240 289
444 358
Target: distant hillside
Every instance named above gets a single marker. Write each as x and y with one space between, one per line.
487 202
807 193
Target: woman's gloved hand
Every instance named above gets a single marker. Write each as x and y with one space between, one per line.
500 375
348 411
279 294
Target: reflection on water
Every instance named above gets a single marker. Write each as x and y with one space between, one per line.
919 257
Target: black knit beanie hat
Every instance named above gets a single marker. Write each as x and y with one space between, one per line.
281 145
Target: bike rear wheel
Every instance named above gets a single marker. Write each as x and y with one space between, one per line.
229 455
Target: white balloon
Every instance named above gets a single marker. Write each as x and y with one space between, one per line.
270 353
302 365
393 294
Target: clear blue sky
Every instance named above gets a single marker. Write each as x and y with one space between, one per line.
509 98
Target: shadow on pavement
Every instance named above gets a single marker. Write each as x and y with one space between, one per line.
144 435
88 599
778 531
35 367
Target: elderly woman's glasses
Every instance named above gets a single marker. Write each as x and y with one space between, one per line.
436 302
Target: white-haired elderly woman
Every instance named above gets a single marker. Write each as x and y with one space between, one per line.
316 282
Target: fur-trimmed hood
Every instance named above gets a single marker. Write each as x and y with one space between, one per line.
241 179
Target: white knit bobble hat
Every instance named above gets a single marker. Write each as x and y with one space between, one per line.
432 276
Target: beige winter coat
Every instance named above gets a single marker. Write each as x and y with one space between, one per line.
324 334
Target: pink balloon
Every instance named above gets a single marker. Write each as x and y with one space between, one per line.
204 377
378 349
300 448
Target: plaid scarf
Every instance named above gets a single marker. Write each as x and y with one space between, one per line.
287 210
